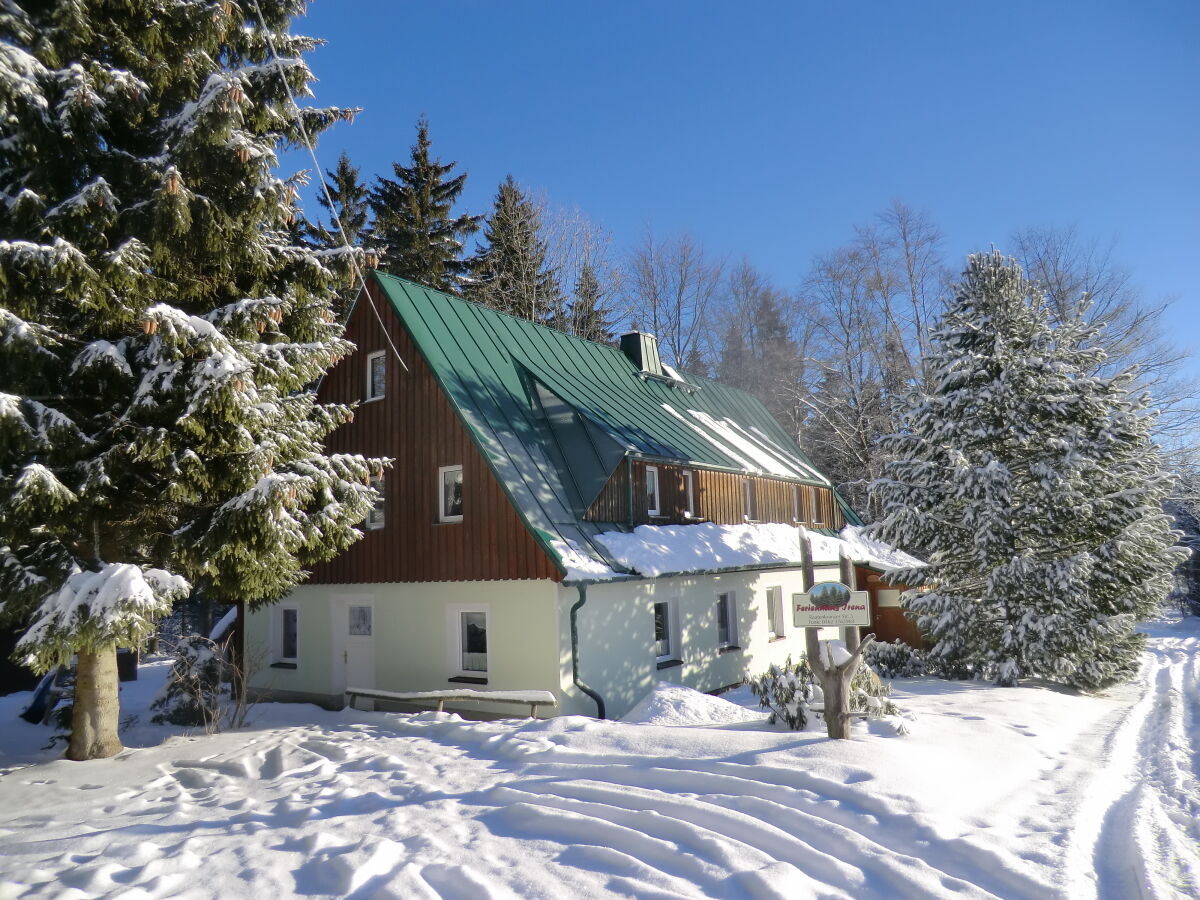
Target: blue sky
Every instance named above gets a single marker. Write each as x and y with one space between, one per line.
771 129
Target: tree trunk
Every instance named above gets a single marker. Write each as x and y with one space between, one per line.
95 714
837 701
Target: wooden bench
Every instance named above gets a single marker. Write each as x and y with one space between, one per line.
532 699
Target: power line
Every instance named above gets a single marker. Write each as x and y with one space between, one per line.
362 281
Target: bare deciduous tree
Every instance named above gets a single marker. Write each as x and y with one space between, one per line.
670 284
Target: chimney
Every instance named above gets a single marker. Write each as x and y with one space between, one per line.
642 348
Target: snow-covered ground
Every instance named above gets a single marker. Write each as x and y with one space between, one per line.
1026 792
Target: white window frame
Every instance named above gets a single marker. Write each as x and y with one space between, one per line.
377 518
689 493
797 511
371 357
441 493
281 628
728 599
750 499
775 611
673 653
454 645
655 510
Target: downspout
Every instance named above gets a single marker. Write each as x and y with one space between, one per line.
575 653
629 490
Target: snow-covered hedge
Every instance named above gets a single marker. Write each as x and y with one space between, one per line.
897 660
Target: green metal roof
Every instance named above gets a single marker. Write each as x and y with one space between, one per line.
555 414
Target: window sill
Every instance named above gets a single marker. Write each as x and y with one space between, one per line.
778 637
730 649
374 399
284 665
669 663
457 521
466 679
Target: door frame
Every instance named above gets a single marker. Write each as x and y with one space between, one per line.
339 632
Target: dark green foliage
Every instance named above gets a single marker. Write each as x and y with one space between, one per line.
414 233
159 321
512 274
349 217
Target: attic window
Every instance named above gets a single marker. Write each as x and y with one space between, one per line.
652 504
689 493
450 494
750 491
376 375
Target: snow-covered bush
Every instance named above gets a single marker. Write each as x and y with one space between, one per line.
791 694
786 693
194 693
896 660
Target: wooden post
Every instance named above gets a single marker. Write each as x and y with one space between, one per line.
849 578
834 678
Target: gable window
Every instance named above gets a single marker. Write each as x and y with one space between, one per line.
287 643
750 491
797 512
450 494
689 493
468 642
726 621
810 497
376 375
666 633
375 516
818 506
775 612
652 505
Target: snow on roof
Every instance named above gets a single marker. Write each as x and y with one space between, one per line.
875 552
653 550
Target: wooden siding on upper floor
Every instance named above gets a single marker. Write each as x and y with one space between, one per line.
416 426
719 497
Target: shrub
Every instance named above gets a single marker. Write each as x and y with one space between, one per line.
194 691
792 694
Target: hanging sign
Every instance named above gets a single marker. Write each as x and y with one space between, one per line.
831 603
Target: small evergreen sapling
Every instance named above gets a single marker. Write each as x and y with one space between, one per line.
1034 489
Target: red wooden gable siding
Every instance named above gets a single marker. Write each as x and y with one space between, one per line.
888 623
719 496
415 425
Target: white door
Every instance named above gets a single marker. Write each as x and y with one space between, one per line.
354 641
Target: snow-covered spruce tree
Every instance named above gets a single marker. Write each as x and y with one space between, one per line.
158 330
1033 488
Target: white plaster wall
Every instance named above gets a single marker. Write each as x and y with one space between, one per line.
411 647
616 635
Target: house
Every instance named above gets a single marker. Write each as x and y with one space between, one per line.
560 515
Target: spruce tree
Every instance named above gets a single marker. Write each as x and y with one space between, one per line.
512 273
159 330
414 233
1034 489
349 216
589 316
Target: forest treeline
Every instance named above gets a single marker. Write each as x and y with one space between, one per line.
833 356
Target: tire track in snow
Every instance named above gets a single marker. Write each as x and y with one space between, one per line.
1137 833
